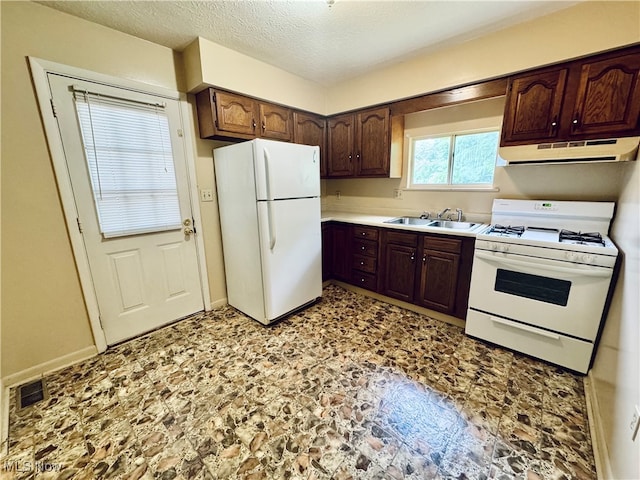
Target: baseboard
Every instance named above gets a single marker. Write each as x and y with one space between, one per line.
598 438
4 418
219 303
38 371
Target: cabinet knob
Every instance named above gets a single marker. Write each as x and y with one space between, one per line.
364 234
264 127
362 280
361 263
254 124
576 120
363 248
424 259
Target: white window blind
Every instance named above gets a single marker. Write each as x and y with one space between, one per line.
128 151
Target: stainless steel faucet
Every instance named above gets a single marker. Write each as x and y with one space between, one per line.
459 212
443 212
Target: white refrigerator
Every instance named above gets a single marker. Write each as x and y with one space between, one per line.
269 204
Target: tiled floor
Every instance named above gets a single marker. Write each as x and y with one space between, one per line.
349 388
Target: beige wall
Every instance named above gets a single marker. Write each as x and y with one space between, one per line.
43 312
579 30
616 371
206 62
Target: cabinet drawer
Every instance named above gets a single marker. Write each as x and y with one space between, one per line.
555 348
365 264
409 239
364 280
369 233
440 244
365 247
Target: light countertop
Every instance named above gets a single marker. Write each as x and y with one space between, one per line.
378 221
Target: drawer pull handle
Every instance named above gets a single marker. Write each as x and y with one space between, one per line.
526 328
362 248
361 263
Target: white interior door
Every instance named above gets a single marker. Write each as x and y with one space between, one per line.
135 212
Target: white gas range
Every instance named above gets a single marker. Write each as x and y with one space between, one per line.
541 276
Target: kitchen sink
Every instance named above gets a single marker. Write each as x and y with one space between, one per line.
409 221
452 224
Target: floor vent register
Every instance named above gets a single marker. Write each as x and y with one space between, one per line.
31 393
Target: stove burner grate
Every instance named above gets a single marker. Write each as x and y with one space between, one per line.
509 230
581 238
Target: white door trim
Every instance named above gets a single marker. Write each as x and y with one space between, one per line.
39 70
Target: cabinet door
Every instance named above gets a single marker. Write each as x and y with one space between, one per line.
372 143
533 107
327 251
399 271
311 129
608 98
341 252
276 122
438 280
340 139
235 113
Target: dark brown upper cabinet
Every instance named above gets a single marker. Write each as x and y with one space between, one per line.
228 115
276 122
533 106
310 129
597 97
341 146
372 143
359 144
608 98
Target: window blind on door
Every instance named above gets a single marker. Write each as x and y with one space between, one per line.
128 151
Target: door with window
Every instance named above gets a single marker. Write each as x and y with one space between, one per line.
126 163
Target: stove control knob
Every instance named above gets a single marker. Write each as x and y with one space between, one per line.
505 248
493 246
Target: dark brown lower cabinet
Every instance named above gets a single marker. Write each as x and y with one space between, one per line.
429 270
399 252
438 280
341 251
438 284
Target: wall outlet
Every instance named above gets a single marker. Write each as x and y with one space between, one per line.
635 423
338 194
206 195
397 194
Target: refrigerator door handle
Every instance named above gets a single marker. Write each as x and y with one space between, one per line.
270 214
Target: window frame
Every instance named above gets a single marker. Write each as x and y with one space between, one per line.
450 186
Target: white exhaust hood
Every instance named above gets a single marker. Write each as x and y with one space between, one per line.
584 151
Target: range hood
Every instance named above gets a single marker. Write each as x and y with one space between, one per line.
584 151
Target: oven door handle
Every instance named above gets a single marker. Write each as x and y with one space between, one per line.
526 328
601 272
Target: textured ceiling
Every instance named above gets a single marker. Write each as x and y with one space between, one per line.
309 38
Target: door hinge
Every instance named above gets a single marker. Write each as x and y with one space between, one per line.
193 225
79 225
100 320
180 132
53 108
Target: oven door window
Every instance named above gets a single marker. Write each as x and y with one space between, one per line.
535 287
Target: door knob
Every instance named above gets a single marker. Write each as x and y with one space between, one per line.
188 231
